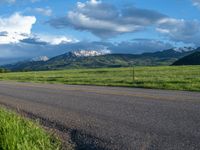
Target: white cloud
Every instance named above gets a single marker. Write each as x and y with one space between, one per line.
16 27
81 20
44 11
45 39
180 30
196 3
56 39
105 20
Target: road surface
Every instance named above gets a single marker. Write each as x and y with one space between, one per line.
112 117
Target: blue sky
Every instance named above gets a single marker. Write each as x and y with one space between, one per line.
31 28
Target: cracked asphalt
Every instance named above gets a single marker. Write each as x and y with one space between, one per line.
112 117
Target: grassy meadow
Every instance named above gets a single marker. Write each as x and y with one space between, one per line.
17 133
167 77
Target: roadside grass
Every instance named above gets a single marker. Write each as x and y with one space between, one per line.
17 133
164 77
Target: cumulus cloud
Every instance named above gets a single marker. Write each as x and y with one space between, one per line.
196 3
44 11
57 39
34 41
104 20
42 39
180 30
15 28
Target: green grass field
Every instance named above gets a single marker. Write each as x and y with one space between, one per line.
17 133
169 77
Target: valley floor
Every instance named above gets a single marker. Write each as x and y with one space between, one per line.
167 77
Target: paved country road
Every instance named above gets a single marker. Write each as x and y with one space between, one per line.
112 117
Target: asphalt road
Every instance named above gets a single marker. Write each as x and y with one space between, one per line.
111 117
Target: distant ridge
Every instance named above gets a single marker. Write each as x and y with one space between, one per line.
96 59
192 59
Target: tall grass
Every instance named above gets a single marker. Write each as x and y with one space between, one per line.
19 134
167 77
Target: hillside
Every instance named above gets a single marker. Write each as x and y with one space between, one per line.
97 60
192 59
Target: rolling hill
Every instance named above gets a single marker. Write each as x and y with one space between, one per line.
192 59
92 59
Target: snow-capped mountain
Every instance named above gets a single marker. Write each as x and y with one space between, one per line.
85 59
40 58
87 53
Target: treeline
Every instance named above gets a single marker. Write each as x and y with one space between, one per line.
2 70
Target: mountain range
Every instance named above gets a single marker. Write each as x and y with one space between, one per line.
95 59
